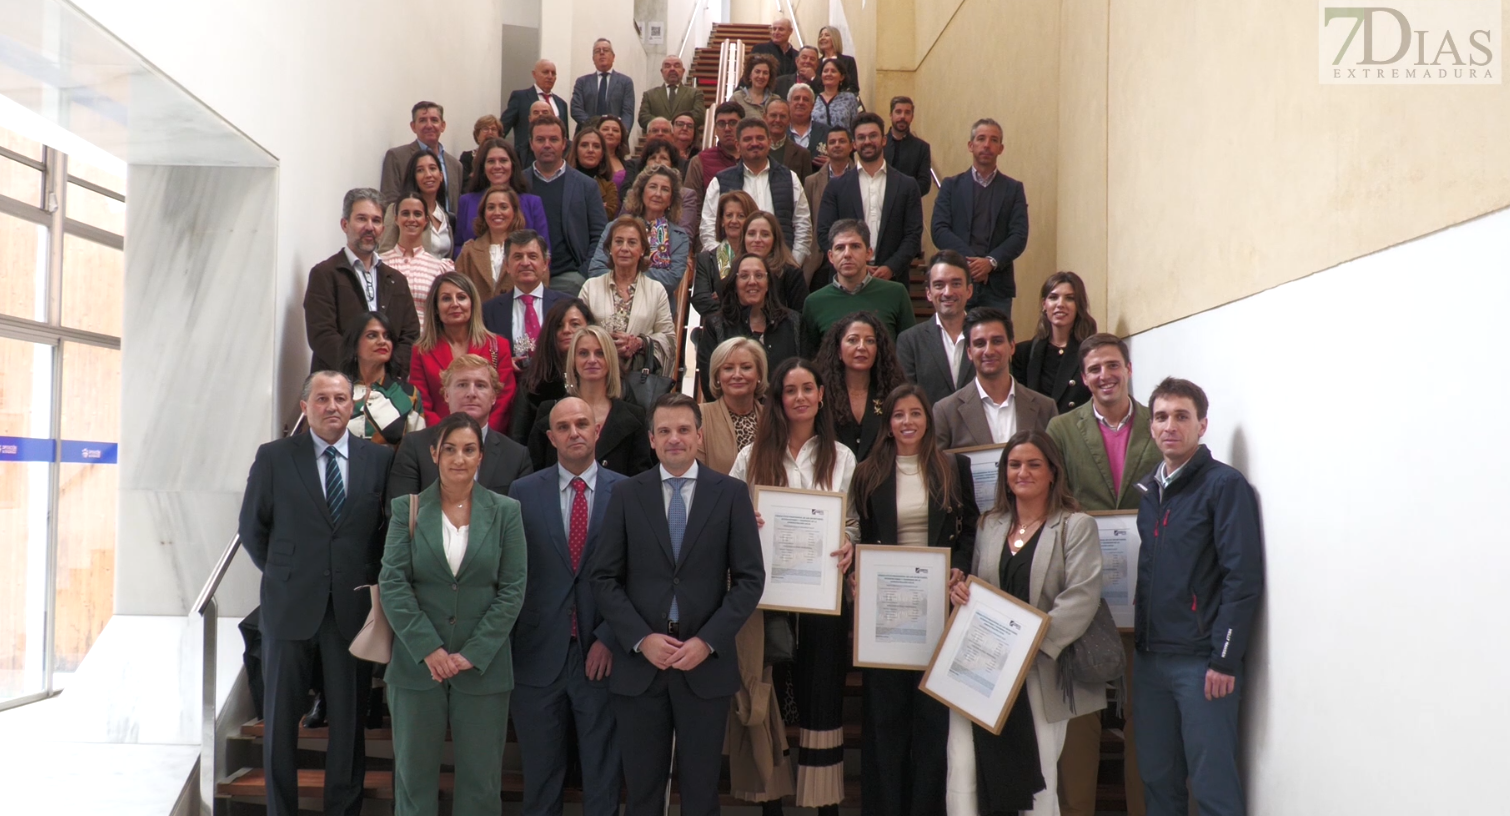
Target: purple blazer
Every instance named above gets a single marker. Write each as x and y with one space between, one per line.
466 212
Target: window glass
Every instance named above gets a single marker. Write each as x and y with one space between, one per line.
23 268
96 210
25 452
93 286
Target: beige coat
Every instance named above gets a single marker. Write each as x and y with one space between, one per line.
720 446
649 312
755 738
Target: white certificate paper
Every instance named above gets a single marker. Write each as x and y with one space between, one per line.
901 605
985 463
988 642
985 655
801 531
1119 562
796 545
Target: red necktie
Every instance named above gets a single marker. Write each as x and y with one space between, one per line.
576 538
532 324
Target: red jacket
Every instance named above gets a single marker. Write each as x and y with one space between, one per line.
425 369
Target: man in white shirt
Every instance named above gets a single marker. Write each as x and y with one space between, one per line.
519 313
933 354
989 409
887 201
775 189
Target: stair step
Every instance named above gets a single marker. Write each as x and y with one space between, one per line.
255 729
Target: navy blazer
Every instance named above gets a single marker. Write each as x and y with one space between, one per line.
498 311
955 209
543 631
584 96
583 215
516 119
305 556
901 235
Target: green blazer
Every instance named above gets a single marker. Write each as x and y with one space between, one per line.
471 612
1090 474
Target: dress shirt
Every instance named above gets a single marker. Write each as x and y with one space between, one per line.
984 181
801 137
560 171
343 462
453 540
954 350
688 489
546 98
1002 418
590 478
872 196
1110 425
758 185
441 239
495 260
367 276
1165 478
521 340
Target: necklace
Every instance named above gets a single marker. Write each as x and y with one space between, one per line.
1022 534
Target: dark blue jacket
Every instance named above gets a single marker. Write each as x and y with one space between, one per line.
1201 564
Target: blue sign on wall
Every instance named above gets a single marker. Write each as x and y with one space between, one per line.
89 453
28 449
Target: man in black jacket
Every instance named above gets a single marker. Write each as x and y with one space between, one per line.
1200 576
904 150
895 220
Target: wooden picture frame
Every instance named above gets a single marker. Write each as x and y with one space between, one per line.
961 676
1120 544
798 581
982 464
915 577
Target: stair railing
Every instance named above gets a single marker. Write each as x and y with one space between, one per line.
731 60
698 12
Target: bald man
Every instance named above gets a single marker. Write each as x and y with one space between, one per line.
671 97
517 117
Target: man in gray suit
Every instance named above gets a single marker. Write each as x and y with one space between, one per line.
428 121
604 92
933 353
561 664
992 407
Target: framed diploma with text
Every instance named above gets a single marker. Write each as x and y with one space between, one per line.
901 605
802 530
984 463
1119 562
984 656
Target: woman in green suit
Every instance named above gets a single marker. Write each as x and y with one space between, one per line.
451 591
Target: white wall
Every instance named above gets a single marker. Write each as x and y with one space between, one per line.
1377 680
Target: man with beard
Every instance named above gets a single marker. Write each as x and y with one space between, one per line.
905 151
883 198
933 353
775 188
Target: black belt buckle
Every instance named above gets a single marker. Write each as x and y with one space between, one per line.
671 628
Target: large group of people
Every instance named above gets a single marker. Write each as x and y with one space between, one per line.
561 542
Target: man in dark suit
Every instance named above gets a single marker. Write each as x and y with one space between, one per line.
561 662
896 220
783 149
428 121
780 47
604 92
800 125
983 215
312 520
805 73
993 406
470 385
905 151
573 206
516 117
518 314
671 97
677 573
352 282
933 353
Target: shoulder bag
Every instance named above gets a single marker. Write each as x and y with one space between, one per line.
375 642
1097 657
645 383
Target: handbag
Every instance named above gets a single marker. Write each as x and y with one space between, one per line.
780 641
1097 657
644 383
374 643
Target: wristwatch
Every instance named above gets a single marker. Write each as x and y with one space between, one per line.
992 261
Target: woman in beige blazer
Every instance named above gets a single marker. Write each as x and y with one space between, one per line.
737 380
1037 546
633 308
482 258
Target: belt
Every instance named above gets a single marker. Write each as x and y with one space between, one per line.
672 628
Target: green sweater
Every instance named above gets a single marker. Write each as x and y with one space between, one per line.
888 300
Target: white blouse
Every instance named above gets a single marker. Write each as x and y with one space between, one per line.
912 503
800 474
453 540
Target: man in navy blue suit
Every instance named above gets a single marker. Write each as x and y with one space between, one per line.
561 664
604 92
516 117
518 314
982 214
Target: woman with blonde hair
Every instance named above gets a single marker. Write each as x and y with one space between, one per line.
453 327
736 375
634 308
591 374
831 46
481 259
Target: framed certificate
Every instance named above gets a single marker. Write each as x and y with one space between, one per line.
802 531
901 605
1119 562
985 461
984 656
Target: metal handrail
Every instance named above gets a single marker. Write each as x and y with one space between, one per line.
791 15
207 593
697 10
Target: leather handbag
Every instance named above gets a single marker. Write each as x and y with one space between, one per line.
375 642
780 641
1097 657
645 383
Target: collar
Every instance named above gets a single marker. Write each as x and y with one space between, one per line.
892 135
541 91
560 171
858 289
441 149
406 254
342 445
690 474
1165 478
590 476
879 174
356 263
804 131
1131 407
945 330
984 181
519 293
781 145
981 389
765 171
842 170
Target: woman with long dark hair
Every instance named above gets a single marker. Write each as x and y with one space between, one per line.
589 156
835 106
423 178
859 362
748 306
1050 364
545 377
384 405
498 165
615 147
763 237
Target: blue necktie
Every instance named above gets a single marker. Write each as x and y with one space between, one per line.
602 94
676 519
335 490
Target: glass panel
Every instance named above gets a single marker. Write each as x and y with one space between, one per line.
23 268
88 479
96 210
93 286
20 182
11 140
25 452
88 172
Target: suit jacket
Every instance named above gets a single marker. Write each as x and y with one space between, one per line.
584 99
623 441
333 300
921 350
1068 390
901 235
503 462
782 85
717 580
953 529
1086 467
470 612
305 555
583 214
516 119
476 263
498 311
657 102
396 160
544 630
955 209
814 187
960 419
786 61
796 157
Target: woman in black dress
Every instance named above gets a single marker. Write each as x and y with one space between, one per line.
545 376
859 362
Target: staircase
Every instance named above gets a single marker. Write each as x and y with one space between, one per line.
703 72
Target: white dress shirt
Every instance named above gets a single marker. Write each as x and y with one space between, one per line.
453 540
367 277
568 495
801 473
954 349
343 462
1002 418
872 196
758 185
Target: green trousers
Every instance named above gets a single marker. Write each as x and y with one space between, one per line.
479 728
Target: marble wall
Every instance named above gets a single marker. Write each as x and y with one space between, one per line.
197 372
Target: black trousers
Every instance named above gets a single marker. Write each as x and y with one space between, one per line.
903 759
645 726
288 666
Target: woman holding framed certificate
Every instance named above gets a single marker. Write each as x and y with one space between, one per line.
859 362
795 447
909 493
1036 546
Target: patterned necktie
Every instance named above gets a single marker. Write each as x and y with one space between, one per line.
335 490
576 538
602 94
531 320
676 519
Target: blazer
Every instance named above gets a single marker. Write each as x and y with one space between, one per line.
921 351
815 186
1086 467
657 102
961 421
786 61
1068 390
901 231
305 556
476 262
623 440
953 528
720 446
503 462
470 612
584 99
516 119
543 632
428 365
782 85
333 300
717 581
796 157
396 160
649 312
529 204
779 342
583 214
954 211
498 311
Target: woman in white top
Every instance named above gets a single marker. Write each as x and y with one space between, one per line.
795 446
1036 546
633 308
423 177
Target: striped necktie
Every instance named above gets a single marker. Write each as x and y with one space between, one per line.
335 489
